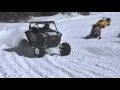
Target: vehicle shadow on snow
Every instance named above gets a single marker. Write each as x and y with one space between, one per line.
23 49
88 38
83 37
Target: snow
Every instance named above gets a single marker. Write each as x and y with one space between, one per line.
91 58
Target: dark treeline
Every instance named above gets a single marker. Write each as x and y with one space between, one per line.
22 16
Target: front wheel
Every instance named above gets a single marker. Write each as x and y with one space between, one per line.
39 52
65 49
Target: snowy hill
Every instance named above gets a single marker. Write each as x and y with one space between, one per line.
91 58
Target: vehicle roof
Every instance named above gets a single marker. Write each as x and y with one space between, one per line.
43 22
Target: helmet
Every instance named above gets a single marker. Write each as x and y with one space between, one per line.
95 25
108 19
47 25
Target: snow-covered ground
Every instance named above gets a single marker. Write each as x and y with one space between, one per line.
91 58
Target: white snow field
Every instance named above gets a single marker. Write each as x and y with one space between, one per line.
91 58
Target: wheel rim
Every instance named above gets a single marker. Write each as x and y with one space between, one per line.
37 51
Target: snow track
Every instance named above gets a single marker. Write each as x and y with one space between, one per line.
91 58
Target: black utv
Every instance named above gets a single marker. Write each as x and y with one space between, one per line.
43 35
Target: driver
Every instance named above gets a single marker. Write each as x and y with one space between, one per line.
46 27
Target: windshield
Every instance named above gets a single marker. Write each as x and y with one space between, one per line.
51 26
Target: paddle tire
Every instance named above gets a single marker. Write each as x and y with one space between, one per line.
65 49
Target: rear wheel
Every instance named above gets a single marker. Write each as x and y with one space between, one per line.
65 49
23 42
39 52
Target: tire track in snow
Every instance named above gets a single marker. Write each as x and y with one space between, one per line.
87 71
26 67
99 52
117 54
61 68
111 72
71 69
41 66
93 63
19 66
3 66
110 67
77 69
10 67
102 51
52 68
34 68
